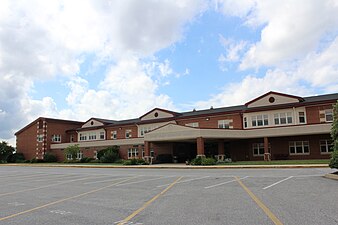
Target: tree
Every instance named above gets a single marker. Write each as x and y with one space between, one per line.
334 136
72 151
5 150
108 155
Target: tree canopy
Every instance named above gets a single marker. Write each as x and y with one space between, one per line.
5 150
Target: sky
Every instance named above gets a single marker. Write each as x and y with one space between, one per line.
118 59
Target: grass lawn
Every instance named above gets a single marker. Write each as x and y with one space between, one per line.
280 162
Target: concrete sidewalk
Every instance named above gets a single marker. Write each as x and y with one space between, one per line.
170 166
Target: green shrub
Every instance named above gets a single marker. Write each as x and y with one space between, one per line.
334 160
49 157
37 160
196 161
208 161
86 160
126 162
16 157
203 161
109 155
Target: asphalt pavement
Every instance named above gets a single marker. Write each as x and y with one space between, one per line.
107 196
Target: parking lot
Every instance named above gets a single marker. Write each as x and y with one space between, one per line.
89 196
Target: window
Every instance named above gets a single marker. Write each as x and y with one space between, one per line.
192 124
69 157
39 138
114 134
224 124
128 133
71 138
283 118
258 149
83 137
92 136
299 148
145 130
56 138
301 116
326 146
132 153
245 122
79 155
328 115
260 120
102 136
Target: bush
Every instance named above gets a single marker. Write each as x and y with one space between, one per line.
203 161
134 162
334 160
16 157
109 155
49 157
208 161
37 160
86 160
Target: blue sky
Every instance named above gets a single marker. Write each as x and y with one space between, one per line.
119 59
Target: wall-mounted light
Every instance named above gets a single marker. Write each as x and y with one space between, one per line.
207 119
120 128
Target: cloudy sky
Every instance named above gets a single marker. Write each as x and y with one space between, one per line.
118 59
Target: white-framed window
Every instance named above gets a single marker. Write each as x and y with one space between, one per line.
260 120
258 149
83 137
69 157
245 122
128 133
79 155
301 117
39 137
283 118
145 130
326 146
224 124
299 148
328 115
132 153
56 138
92 136
114 134
195 124
102 135
72 138
95 155
152 153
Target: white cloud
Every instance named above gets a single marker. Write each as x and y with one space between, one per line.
40 40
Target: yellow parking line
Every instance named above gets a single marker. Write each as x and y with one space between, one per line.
148 203
260 203
62 200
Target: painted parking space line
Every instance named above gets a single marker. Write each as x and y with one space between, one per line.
266 210
227 182
64 199
39 179
184 181
141 181
145 205
278 182
41 187
105 181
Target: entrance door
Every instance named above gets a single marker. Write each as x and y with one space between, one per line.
184 151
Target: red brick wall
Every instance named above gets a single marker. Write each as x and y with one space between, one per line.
121 131
312 113
26 142
212 121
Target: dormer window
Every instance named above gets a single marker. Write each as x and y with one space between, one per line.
128 133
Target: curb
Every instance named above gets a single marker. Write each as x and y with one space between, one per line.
177 167
331 176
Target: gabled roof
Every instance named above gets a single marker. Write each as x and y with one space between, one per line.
300 99
159 109
104 121
49 120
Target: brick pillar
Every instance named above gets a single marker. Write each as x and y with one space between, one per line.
147 151
221 153
200 147
267 156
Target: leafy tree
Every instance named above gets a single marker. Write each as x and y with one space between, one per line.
334 136
5 150
109 155
72 150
